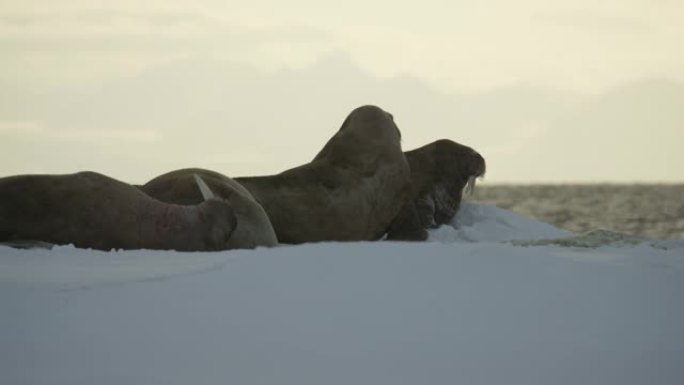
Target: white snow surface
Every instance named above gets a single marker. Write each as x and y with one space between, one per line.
484 223
468 307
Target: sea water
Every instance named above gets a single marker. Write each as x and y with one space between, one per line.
647 210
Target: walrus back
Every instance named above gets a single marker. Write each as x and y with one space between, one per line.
91 210
351 190
29 204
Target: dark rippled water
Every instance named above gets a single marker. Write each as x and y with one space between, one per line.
652 211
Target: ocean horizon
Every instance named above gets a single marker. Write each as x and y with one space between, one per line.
649 210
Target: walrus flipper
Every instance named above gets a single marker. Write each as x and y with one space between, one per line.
407 226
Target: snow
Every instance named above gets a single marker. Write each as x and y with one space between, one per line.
484 223
494 298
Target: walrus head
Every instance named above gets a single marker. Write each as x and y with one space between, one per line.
367 136
195 186
218 214
373 123
218 222
441 172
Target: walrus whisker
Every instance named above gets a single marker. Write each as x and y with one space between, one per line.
204 189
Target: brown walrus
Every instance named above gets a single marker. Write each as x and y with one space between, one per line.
91 210
253 226
440 173
351 190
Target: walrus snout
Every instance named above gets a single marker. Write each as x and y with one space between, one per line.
465 162
221 222
219 215
479 166
476 169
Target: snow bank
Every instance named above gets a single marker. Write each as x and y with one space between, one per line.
466 309
66 266
484 223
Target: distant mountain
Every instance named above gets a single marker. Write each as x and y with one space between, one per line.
238 120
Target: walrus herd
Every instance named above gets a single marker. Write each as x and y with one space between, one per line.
360 186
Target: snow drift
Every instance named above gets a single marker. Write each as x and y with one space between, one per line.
494 298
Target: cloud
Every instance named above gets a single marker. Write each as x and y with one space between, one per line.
47 48
100 16
592 20
453 45
106 31
13 129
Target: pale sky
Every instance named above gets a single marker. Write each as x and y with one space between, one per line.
547 91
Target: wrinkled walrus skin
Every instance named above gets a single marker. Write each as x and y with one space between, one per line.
350 191
440 171
253 226
91 210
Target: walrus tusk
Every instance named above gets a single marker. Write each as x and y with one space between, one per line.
204 189
470 185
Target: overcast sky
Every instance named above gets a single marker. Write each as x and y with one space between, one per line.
559 91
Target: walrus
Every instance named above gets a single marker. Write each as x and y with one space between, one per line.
440 173
91 210
351 190
253 226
